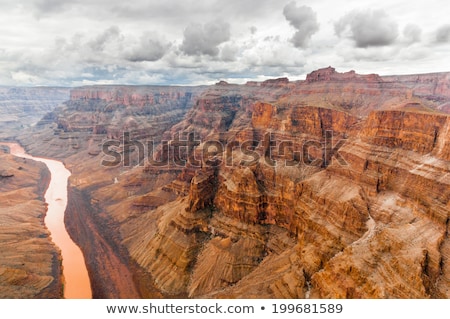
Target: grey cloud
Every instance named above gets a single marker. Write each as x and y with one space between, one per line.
48 6
44 8
110 34
181 11
368 28
52 8
304 20
443 34
272 38
374 54
412 33
150 48
228 53
204 39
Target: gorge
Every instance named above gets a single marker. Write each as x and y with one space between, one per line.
336 186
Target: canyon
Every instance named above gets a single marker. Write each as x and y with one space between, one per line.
22 107
336 186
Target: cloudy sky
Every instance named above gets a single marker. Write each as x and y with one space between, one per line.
80 42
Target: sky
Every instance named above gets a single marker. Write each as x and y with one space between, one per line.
84 42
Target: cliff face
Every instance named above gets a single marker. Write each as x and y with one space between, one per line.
418 132
96 113
361 94
431 86
333 187
402 174
30 265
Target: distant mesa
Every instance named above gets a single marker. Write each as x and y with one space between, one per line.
330 74
275 82
222 83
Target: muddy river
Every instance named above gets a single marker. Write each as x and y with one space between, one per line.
76 279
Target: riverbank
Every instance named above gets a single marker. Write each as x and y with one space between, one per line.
76 279
113 278
30 263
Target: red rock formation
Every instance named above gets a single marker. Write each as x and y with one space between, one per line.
275 82
432 85
329 74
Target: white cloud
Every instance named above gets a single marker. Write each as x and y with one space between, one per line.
24 78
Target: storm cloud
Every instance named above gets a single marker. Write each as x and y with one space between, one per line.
150 48
304 20
111 34
368 28
204 39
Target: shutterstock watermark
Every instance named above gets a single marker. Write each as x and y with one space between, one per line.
188 150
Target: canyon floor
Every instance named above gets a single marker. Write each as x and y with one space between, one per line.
337 186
